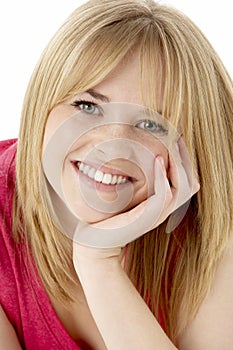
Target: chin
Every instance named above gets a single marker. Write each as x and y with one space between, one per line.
91 216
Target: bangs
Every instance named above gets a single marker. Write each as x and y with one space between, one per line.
162 75
103 51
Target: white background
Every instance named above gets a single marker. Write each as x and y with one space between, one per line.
27 25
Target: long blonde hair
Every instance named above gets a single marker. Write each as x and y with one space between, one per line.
172 272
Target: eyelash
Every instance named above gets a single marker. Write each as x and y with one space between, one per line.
158 128
78 103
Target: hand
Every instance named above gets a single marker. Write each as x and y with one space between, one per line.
168 196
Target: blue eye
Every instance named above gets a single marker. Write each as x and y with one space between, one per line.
152 126
87 107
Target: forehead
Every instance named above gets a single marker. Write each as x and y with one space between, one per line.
129 81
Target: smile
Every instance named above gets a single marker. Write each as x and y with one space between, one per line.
101 177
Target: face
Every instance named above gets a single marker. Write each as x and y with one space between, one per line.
104 164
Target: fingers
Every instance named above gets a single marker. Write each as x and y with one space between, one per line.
186 162
179 183
161 180
184 184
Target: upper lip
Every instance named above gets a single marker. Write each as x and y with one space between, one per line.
108 170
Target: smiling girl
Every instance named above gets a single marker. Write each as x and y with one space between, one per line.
126 130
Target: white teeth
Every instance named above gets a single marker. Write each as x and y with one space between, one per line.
86 169
81 166
99 176
114 180
91 173
107 179
119 179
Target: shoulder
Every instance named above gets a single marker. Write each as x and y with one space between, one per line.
7 185
8 250
213 324
7 155
7 174
5 144
7 181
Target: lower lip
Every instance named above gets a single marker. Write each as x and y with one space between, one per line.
99 186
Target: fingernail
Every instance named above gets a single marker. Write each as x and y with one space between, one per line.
161 160
162 164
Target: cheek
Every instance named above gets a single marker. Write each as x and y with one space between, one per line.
56 118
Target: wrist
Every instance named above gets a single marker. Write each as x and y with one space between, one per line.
91 259
83 253
95 272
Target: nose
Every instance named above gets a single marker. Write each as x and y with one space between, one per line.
115 139
112 132
118 131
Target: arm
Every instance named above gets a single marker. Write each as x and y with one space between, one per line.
122 316
8 338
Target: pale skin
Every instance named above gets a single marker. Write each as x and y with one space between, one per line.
114 316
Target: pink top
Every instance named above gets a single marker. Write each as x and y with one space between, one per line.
22 297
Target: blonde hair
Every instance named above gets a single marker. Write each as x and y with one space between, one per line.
173 272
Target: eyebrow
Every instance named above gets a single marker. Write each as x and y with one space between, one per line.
105 98
97 95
